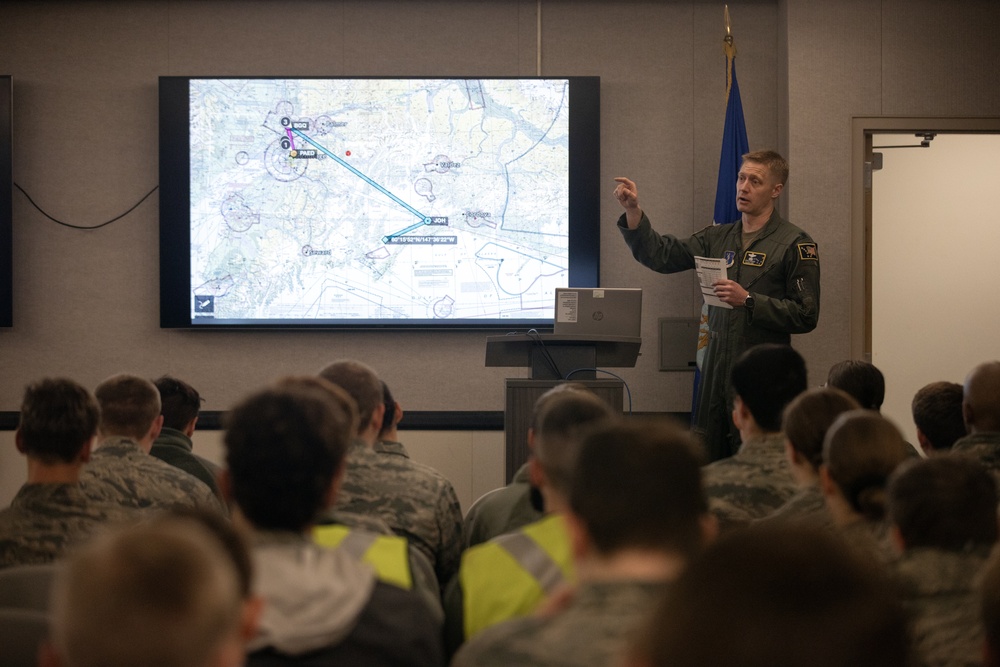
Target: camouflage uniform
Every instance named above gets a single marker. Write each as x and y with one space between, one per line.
175 448
939 590
807 505
984 447
870 540
751 484
415 500
121 472
593 629
43 520
500 511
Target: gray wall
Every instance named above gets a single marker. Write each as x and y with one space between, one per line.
86 302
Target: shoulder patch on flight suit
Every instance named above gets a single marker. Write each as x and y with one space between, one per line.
808 251
752 258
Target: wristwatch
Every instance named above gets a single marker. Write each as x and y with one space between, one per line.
748 302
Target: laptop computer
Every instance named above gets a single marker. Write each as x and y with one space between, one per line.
598 311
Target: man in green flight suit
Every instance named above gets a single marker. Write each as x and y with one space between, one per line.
771 290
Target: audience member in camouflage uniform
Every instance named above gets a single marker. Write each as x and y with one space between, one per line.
756 480
285 450
937 414
417 505
180 404
519 503
58 427
981 410
944 513
121 470
628 546
776 594
860 452
805 423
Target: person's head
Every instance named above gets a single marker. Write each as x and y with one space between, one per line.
981 401
990 610
937 414
393 413
541 401
760 181
944 502
180 403
861 449
159 594
636 485
364 386
562 423
765 379
861 380
807 419
59 420
285 447
130 408
782 595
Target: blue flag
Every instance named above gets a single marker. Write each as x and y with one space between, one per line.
734 146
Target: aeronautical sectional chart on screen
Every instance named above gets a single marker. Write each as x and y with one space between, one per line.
373 199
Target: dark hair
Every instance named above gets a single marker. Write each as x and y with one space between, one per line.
777 165
861 380
233 540
937 412
990 602
782 595
809 416
361 382
179 402
129 406
284 446
637 484
563 422
766 378
945 502
980 404
390 409
58 417
860 451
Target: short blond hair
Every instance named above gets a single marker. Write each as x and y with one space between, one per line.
159 595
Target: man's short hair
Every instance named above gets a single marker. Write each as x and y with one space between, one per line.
944 502
129 406
780 594
541 401
766 378
637 484
161 594
179 402
982 396
390 409
564 420
861 380
361 382
284 445
860 451
58 417
777 165
937 412
809 416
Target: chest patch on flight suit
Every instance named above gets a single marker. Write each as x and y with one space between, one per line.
751 258
730 257
808 251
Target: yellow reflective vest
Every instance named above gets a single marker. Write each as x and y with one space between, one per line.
388 554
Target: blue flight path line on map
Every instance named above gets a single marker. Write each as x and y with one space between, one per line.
423 218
